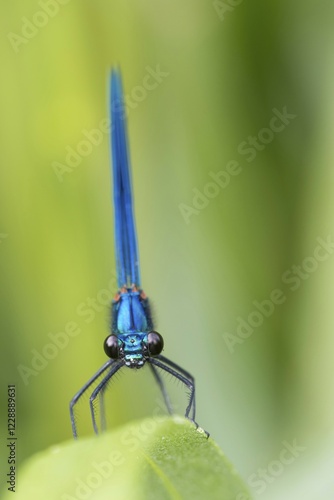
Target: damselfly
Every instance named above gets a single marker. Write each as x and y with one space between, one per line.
133 341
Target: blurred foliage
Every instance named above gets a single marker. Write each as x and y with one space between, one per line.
225 69
169 461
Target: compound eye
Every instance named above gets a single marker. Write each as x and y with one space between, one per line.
111 347
155 343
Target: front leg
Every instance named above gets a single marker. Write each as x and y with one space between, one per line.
184 377
80 393
102 385
186 374
162 388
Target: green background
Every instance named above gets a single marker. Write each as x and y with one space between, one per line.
226 66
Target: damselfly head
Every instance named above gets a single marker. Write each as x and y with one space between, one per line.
133 347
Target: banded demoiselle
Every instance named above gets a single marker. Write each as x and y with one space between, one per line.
133 342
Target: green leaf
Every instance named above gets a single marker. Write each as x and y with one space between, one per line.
158 459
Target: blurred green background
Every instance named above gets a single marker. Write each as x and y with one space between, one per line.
222 70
